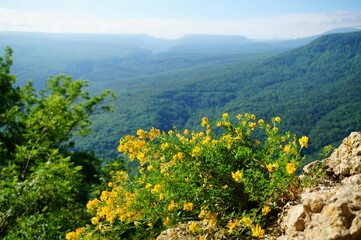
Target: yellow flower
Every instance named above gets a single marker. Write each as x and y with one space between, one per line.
275 165
207 139
225 186
303 141
188 206
196 150
291 168
239 116
269 167
71 236
177 156
141 133
275 129
237 176
171 206
277 119
153 133
93 204
232 225
287 148
212 219
167 221
257 231
148 185
186 132
180 155
161 196
225 116
204 121
253 117
74 235
266 210
95 220
261 121
150 168
257 142
252 124
164 146
141 156
247 221
202 214
193 227
110 184
209 130
156 188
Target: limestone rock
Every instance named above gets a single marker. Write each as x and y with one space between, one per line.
346 160
332 212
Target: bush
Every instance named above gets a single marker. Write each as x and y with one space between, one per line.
232 176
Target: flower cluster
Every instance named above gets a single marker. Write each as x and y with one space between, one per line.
231 178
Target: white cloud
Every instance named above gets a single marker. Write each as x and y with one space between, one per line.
283 26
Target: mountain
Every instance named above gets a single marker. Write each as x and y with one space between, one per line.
292 43
315 89
108 57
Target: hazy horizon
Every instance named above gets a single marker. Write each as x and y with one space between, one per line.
261 19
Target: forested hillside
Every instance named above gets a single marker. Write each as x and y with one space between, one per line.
315 89
164 83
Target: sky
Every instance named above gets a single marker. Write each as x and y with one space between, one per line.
256 19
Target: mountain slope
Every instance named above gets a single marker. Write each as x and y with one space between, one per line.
315 89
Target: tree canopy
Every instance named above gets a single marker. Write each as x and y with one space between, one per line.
44 184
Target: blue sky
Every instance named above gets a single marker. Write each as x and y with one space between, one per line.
174 18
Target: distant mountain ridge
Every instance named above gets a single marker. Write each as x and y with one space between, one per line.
156 45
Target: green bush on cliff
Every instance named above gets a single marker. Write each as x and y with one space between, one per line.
232 176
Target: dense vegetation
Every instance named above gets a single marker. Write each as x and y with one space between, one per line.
44 186
46 180
225 184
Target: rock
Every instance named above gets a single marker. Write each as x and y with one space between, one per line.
346 160
332 212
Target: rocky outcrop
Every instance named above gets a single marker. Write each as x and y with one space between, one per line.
332 211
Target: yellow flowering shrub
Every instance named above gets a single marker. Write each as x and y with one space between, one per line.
236 178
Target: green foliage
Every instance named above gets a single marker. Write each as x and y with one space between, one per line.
44 185
9 101
315 175
229 176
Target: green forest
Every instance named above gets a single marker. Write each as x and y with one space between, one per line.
198 106
315 88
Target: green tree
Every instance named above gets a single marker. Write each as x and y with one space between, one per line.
9 101
44 184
